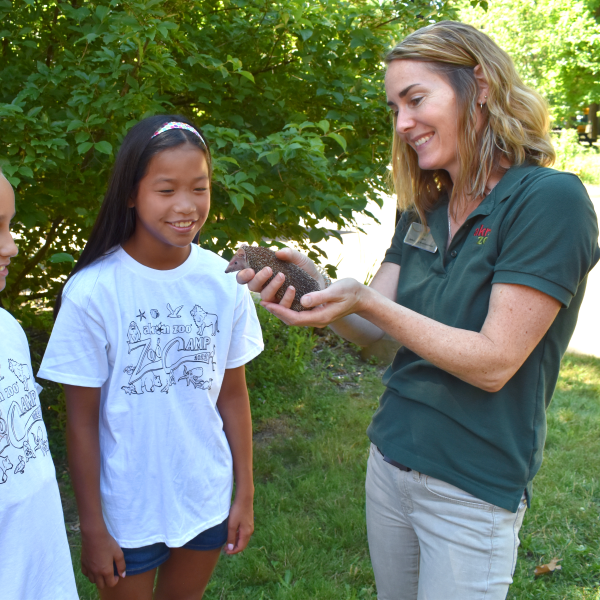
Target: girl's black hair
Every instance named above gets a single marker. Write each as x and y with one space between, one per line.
116 220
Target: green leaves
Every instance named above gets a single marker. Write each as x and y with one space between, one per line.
555 46
61 257
103 147
339 139
288 95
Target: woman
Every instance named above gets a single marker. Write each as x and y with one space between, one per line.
481 285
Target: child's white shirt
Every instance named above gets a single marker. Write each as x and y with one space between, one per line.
35 561
158 344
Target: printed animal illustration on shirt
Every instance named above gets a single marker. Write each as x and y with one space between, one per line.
174 312
147 383
20 468
28 451
5 465
23 437
40 442
204 319
20 371
133 333
172 353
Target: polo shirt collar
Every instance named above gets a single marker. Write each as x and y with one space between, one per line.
438 220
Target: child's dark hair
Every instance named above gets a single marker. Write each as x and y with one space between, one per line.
116 220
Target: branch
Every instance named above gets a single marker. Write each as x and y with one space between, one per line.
386 22
40 254
50 51
212 12
136 68
281 64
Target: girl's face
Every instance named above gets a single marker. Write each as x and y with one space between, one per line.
426 114
8 248
173 199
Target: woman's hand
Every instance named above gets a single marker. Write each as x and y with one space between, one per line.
241 525
98 551
256 281
342 298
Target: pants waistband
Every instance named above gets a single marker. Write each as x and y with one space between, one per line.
393 462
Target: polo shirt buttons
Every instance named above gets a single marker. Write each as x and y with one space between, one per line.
453 253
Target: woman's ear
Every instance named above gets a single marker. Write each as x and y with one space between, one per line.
131 202
482 85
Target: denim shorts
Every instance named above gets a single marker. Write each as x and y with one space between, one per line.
146 558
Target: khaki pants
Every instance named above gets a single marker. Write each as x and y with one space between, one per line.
429 540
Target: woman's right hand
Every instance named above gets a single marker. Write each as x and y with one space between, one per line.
256 281
98 551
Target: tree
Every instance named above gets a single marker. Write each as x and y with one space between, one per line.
555 45
289 94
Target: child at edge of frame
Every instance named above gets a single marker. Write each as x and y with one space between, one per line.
150 341
35 561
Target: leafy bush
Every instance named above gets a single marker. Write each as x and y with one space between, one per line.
274 376
573 157
298 128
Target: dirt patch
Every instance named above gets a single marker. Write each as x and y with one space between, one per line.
271 429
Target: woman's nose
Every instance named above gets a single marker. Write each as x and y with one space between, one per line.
404 122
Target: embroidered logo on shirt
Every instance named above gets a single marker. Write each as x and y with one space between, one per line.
481 233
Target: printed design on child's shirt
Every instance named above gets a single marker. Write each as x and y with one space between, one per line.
174 312
170 354
22 433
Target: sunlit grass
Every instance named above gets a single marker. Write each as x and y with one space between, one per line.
310 539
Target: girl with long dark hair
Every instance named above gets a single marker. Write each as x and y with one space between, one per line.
150 342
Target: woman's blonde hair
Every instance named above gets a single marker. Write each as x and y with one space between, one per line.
516 117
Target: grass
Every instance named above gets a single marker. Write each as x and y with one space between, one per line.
310 462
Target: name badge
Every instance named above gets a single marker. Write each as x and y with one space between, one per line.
424 241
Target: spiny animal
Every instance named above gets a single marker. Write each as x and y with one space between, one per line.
257 258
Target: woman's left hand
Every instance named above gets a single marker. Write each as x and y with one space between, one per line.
341 298
241 525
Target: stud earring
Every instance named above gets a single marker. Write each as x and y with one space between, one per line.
481 103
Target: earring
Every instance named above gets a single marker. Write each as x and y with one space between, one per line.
481 103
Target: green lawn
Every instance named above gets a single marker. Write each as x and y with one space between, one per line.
310 539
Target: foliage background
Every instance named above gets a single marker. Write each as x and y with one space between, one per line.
554 43
288 93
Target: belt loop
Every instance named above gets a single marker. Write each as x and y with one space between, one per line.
416 476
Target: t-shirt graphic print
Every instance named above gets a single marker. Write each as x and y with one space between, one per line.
185 353
35 561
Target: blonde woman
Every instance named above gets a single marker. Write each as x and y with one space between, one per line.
481 285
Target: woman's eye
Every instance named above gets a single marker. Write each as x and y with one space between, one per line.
416 101
165 191
203 189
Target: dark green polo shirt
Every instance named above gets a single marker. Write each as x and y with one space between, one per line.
536 228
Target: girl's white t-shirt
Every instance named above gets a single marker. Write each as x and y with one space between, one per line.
35 561
157 343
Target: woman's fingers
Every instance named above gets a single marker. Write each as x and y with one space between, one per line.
340 299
